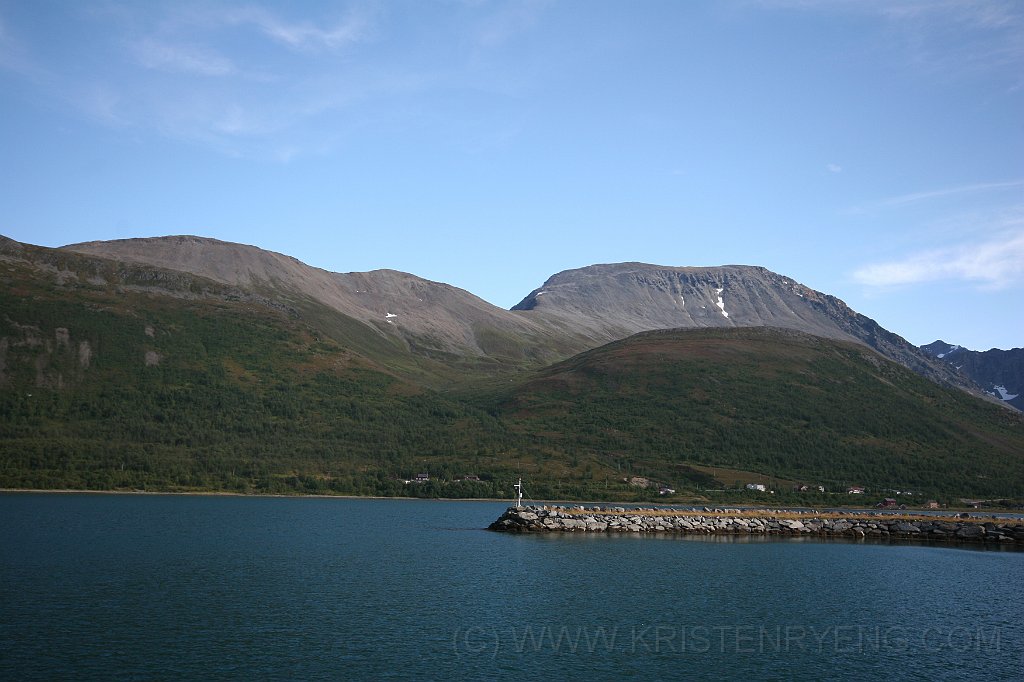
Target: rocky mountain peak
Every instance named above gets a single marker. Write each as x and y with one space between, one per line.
609 301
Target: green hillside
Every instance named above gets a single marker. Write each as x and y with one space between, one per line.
109 388
125 377
785 404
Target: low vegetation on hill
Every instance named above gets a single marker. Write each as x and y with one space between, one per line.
132 379
789 405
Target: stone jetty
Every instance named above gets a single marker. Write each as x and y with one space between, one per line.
853 525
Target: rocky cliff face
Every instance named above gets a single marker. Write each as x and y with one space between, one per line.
999 372
609 302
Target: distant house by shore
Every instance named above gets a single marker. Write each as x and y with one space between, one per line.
855 490
760 487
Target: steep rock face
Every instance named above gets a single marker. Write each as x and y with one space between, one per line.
608 302
999 372
429 317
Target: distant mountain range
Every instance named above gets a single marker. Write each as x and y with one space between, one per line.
999 372
189 363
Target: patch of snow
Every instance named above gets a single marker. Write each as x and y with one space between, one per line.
389 316
1003 394
720 303
541 293
682 301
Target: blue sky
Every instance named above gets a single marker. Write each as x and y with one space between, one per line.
871 149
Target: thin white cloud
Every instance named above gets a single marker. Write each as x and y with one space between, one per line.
502 25
996 263
100 102
977 13
948 36
303 35
166 56
205 80
834 168
13 55
203 73
973 188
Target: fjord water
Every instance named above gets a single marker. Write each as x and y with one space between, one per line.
140 586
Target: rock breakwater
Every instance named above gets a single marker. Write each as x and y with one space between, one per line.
854 525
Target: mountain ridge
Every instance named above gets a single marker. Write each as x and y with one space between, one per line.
999 372
572 311
122 375
432 317
610 301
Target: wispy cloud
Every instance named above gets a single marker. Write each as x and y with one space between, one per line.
994 263
834 168
13 54
165 56
975 13
973 188
501 26
275 81
950 36
354 28
203 74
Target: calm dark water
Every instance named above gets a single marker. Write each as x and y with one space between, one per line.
111 586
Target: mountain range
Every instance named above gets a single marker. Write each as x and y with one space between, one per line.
573 311
999 372
191 363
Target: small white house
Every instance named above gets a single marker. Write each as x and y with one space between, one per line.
855 490
759 487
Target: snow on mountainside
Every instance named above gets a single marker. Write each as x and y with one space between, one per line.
999 372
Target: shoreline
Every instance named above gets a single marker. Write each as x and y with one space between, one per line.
656 506
224 493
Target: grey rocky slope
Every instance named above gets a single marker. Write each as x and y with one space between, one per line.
999 372
573 311
431 318
608 302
